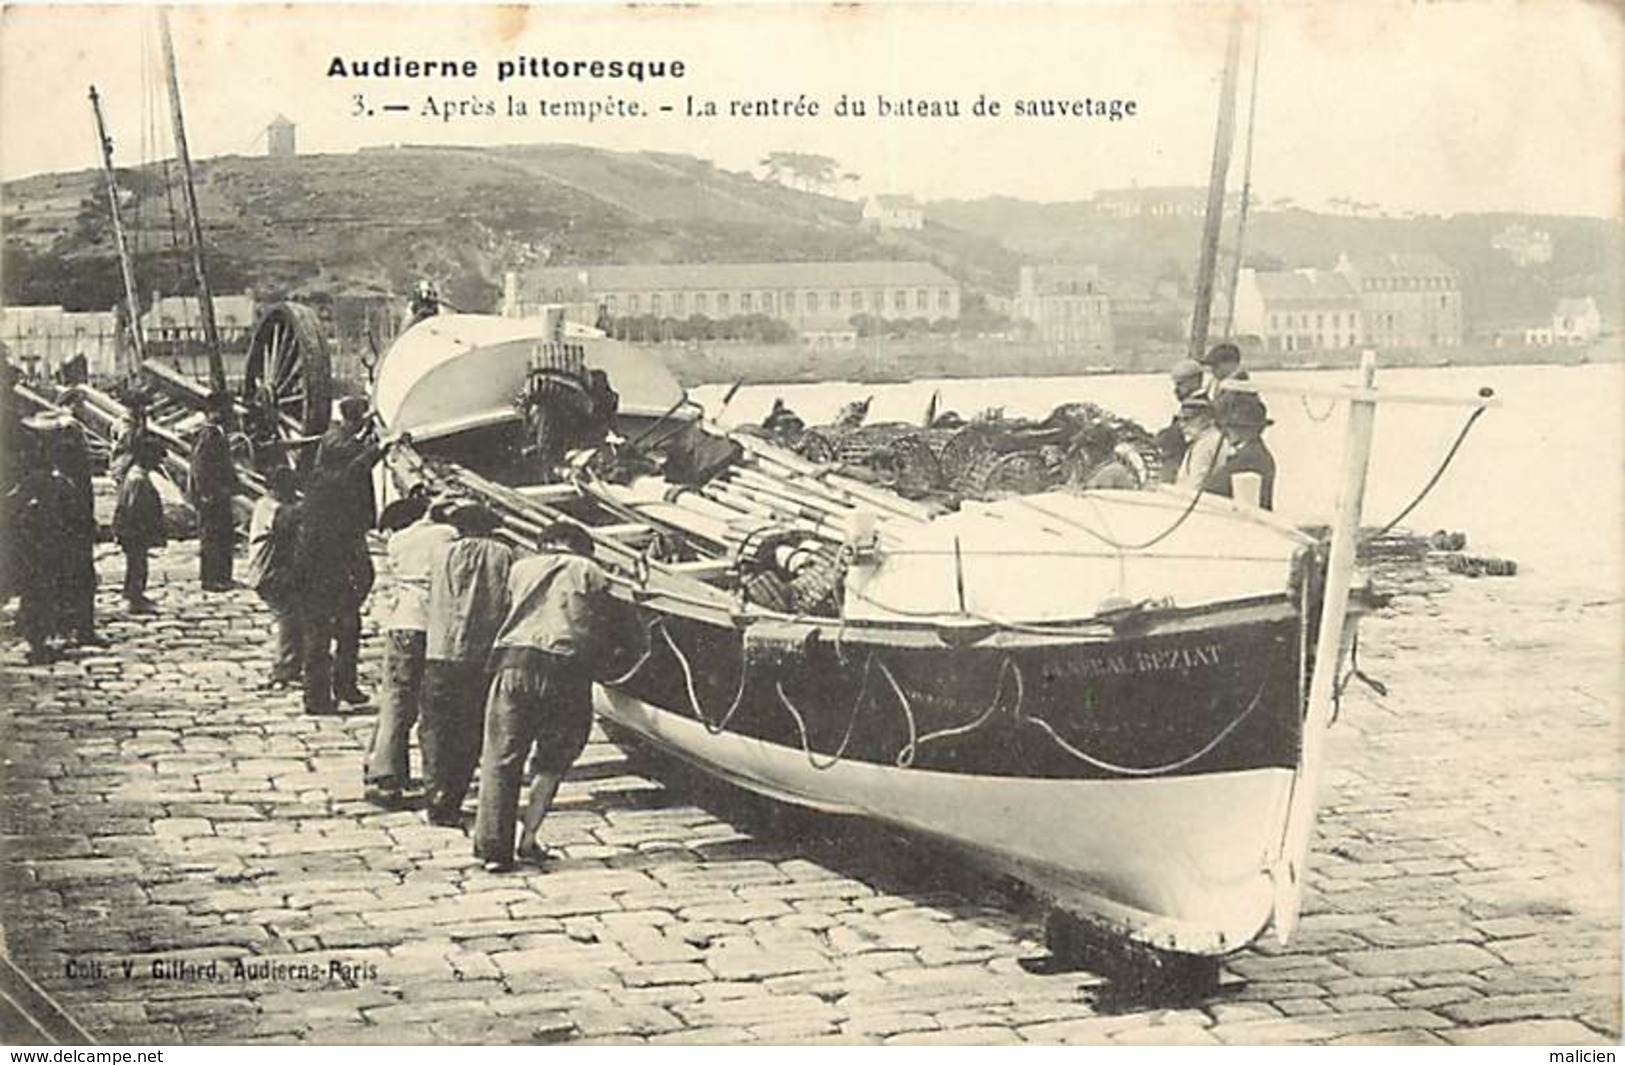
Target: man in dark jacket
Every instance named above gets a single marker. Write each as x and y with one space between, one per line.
138 523
468 600
1243 419
77 546
36 503
213 481
334 566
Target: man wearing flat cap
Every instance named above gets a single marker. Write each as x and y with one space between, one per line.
1186 376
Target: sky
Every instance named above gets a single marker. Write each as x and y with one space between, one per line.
1465 106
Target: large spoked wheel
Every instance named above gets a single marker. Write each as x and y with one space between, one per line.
288 379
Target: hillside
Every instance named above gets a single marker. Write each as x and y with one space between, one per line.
375 221
1588 253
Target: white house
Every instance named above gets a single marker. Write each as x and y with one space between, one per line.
1576 321
893 212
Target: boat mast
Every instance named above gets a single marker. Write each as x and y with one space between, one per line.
1246 190
205 299
131 301
1223 136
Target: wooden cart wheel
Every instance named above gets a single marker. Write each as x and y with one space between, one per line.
288 379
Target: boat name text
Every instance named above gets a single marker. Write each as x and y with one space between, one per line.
1158 660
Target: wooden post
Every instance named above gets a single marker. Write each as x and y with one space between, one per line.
132 302
205 298
1300 822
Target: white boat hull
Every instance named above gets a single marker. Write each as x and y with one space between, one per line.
1178 863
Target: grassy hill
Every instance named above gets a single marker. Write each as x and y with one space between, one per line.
375 221
325 226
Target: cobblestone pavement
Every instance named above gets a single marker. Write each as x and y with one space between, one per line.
1465 887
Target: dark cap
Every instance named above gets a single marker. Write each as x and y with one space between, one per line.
1226 352
353 406
402 512
472 518
567 535
1241 410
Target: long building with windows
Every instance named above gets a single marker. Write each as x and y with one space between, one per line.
810 297
1409 300
1298 310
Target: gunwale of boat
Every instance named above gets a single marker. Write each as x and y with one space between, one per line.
692 588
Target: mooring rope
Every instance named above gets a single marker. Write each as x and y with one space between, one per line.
1433 481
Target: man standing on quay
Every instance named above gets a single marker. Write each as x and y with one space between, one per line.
213 480
418 531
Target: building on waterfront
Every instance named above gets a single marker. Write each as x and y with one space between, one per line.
1576 321
172 319
41 338
1523 245
1066 308
809 297
1298 310
279 138
887 211
1407 300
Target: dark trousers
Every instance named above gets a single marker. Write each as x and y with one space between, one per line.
545 702
79 588
215 534
288 663
135 574
389 756
332 640
451 729
337 586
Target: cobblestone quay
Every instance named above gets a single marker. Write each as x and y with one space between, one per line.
188 860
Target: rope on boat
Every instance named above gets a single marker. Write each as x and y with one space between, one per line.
851 721
719 726
905 757
1146 771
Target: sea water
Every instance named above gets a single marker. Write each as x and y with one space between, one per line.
1540 479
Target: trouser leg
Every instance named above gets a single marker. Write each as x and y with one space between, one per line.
135 574
80 592
215 533
508 734
318 640
388 757
289 650
468 732
434 731
347 648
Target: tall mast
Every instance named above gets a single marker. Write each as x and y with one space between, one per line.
1222 138
205 299
1246 189
131 301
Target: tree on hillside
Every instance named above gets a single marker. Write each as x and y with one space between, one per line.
803 170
